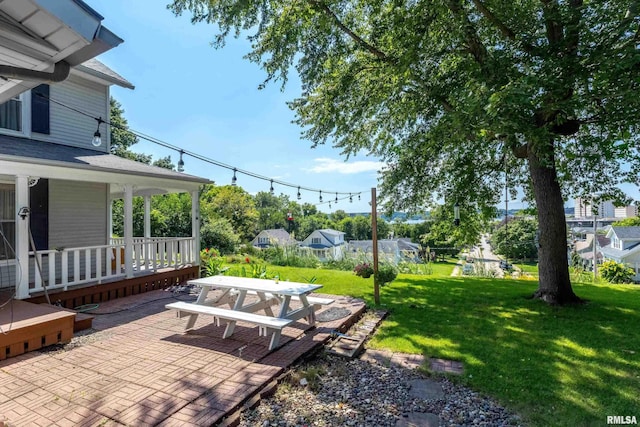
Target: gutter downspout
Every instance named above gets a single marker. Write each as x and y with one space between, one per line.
60 73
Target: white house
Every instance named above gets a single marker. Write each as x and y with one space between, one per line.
56 182
273 237
325 244
624 247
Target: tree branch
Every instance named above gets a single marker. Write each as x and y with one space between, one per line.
504 29
319 5
554 28
476 48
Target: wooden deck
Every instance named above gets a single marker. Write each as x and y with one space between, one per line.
31 324
27 327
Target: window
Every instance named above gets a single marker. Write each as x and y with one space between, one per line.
26 113
263 240
7 221
316 241
11 114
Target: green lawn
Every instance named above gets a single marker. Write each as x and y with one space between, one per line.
554 366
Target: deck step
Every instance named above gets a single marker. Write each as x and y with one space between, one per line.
81 322
29 327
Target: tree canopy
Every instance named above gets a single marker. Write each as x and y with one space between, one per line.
456 94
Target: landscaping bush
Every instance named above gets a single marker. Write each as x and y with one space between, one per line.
211 263
614 272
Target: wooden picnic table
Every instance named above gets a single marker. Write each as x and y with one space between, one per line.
268 292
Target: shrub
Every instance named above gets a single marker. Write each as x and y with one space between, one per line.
614 272
210 262
386 274
364 270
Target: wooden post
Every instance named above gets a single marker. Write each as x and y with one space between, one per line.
374 240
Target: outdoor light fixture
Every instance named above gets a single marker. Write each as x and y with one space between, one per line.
336 198
271 189
234 180
97 138
320 198
358 196
299 195
350 198
181 162
456 214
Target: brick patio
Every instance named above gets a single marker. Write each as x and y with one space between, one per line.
140 369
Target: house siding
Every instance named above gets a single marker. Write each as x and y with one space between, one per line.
77 214
68 127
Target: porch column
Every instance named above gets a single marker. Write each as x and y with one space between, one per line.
195 225
147 217
22 238
128 230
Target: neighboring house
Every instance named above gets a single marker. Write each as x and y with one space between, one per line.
325 244
389 250
55 184
273 237
584 248
624 247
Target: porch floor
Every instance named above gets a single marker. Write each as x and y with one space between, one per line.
138 367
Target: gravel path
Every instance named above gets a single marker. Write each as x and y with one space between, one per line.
341 392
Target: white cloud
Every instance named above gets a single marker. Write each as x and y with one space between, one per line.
327 165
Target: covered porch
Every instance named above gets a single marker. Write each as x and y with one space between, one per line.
61 229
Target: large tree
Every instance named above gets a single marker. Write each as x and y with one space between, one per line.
454 93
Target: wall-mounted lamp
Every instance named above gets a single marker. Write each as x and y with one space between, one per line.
24 212
234 180
181 162
456 214
96 141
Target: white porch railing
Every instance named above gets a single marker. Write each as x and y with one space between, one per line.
74 266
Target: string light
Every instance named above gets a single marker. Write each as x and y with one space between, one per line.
97 141
181 162
336 198
271 189
350 198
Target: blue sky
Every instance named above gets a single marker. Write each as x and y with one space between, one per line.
207 101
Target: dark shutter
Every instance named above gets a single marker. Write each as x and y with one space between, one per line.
40 109
39 218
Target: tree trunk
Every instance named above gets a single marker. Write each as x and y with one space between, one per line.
553 263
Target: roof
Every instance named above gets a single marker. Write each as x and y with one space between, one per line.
331 232
384 245
37 34
627 233
610 252
278 234
98 69
29 151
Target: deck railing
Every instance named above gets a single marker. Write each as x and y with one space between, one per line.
66 267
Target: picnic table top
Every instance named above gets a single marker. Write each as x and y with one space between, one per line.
258 285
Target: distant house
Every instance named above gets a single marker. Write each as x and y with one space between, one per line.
624 247
325 244
273 237
584 248
390 250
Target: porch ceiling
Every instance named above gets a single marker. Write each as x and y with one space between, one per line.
36 34
25 157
